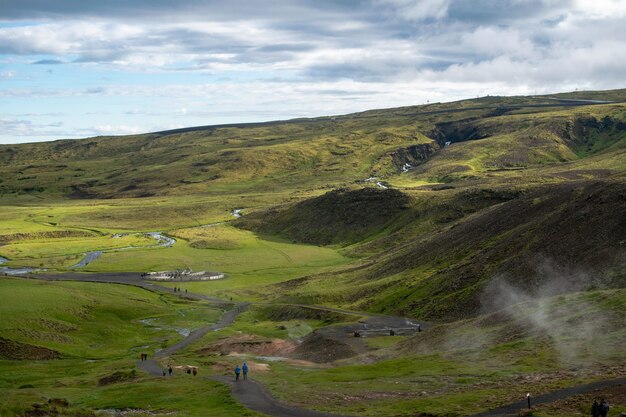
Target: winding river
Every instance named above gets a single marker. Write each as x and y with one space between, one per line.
15 271
162 241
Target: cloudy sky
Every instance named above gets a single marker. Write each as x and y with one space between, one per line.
78 68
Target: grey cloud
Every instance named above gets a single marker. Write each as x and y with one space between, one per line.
500 12
48 62
355 71
172 10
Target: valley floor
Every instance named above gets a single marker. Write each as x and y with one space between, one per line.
305 385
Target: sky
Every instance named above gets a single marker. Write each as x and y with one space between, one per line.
81 68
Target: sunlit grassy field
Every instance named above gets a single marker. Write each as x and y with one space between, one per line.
96 329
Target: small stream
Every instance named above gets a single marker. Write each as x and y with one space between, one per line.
162 242
377 182
15 271
152 323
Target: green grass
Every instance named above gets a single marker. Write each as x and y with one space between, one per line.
381 342
254 262
76 381
560 169
468 366
83 319
97 330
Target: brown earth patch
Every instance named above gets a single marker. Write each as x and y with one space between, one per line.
54 234
319 348
57 326
10 349
44 336
251 345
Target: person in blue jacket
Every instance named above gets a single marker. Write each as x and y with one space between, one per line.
244 368
237 372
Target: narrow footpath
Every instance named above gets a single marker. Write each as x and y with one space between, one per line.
151 365
253 395
513 409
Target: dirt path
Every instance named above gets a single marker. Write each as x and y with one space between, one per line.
256 397
151 365
513 409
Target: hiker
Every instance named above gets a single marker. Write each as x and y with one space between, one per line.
237 372
170 370
595 408
195 372
163 372
604 408
419 328
145 356
188 371
244 368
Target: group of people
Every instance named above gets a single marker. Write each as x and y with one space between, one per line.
600 409
177 289
190 370
144 356
243 370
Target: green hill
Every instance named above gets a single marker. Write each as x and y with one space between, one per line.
480 189
497 223
488 134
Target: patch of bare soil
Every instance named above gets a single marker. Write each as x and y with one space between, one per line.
251 345
130 412
55 407
321 348
10 349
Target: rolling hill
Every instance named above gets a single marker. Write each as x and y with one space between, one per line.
484 189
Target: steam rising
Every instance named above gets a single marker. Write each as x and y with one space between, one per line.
575 325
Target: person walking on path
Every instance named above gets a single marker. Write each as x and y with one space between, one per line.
195 371
595 408
237 372
604 408
170 370
244 368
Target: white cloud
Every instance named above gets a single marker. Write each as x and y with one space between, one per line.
293 59
496 41
601 9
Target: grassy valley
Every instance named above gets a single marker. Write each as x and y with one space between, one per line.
497 223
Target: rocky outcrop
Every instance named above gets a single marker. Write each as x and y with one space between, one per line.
406 158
